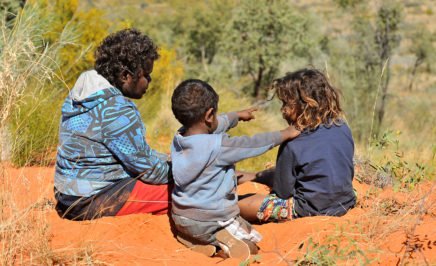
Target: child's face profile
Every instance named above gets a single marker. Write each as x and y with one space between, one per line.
288 113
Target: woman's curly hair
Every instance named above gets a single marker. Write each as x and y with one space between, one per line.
310 95
125 50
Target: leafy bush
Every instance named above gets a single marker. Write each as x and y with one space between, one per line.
333 249
262 34
404 173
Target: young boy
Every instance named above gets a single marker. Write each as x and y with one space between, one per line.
205 203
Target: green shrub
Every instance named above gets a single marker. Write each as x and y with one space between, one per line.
338 247
389 160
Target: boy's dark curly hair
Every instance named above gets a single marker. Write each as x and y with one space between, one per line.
310 95
191 99
125 50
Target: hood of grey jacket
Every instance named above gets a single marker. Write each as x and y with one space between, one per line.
83 97
89 82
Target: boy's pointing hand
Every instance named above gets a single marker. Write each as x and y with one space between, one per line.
247 114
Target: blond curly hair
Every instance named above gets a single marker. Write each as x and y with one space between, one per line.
311 97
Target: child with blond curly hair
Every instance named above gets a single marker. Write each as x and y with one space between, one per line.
314 172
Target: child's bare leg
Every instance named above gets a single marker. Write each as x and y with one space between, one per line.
244 177
250 205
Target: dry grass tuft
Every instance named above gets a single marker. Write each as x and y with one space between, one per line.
26 61
25 230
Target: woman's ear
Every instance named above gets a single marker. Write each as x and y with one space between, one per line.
125 76
209 116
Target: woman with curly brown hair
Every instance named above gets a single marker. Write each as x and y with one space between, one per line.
314 171
104 165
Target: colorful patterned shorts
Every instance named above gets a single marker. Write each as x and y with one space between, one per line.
275 209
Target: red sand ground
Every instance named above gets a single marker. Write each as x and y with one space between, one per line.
377 226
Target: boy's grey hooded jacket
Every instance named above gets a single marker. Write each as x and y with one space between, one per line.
204 172
102 140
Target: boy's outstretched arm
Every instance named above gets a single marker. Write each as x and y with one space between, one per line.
230 120
235 149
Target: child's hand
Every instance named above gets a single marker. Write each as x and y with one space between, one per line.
290 133
247 114
243 177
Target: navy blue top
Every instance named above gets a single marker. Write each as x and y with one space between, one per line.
316 169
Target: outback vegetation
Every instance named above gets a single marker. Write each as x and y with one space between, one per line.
381 54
